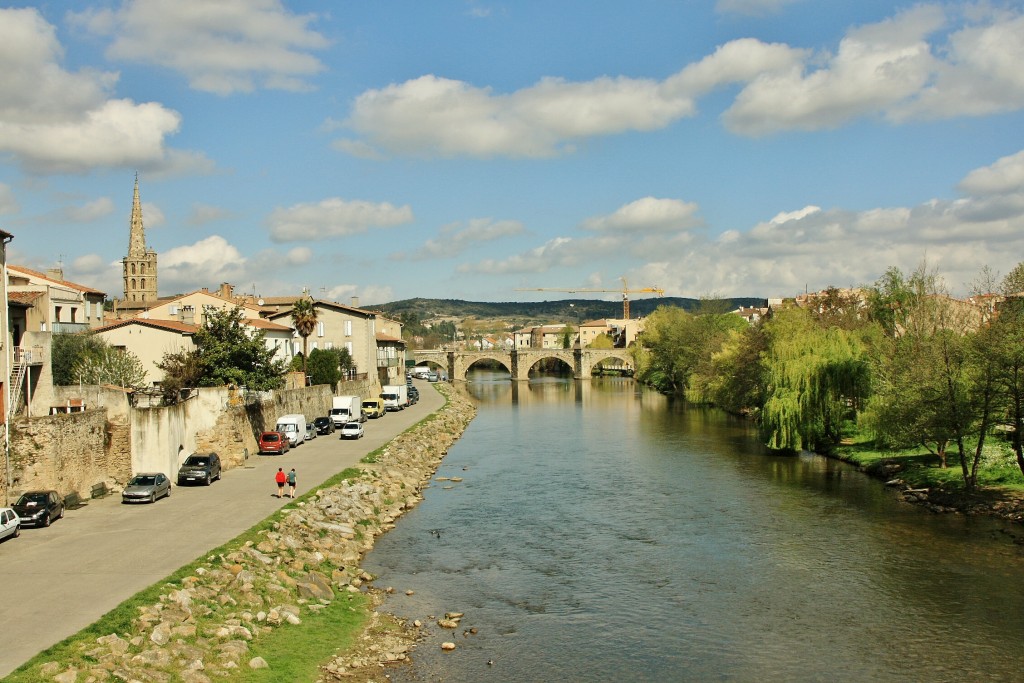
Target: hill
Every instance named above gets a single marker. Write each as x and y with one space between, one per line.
522 313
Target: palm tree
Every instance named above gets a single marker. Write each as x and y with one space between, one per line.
304 320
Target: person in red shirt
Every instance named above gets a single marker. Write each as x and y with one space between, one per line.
280 478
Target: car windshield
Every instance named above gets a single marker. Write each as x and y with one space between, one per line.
197 460
146 480
32 499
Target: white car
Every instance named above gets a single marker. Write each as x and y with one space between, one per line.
10 524
351 430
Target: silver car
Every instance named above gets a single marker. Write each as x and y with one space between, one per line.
10 524
146 487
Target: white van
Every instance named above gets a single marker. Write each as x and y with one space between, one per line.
293 427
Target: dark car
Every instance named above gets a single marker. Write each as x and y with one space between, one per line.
414 395
274 442
39 508
324 425
199 468
146 487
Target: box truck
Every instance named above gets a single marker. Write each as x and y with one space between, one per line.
346 409
396 396
293 426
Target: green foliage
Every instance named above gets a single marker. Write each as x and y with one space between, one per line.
736 382
304 320
110 366
602 341
1000 347
67 349
1013 283
323 367
231 353
817 377
182 370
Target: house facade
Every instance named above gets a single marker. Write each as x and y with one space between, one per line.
149 341
50 303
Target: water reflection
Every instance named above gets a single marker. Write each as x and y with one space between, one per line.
604 533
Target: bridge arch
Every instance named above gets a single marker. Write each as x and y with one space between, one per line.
464 361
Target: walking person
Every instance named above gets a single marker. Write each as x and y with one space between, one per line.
291 483
280 478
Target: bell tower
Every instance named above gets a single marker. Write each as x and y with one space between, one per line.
140 263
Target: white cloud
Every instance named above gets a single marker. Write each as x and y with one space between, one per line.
90 211
221 47
647 215
752 7
8 202
456 238
299 256
90 264
333 218
539 260
910 66
1005 175
212 259
432 115
56 121
201 214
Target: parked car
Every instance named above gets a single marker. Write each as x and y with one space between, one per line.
10 524
352 430
310 431
414 395
39 508
199 467
146 487
274 442
432 377
324 425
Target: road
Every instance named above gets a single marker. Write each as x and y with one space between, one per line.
57 581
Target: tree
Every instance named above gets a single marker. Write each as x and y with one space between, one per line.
737 380
817 377
182 370
304 320
67 349
1013 283
231 353
1001 347
110 366
324 367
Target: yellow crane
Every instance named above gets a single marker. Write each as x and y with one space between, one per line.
625 291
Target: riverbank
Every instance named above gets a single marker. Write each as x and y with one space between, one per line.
261 607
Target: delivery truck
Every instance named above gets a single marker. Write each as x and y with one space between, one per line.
396 396
346 409
293 426
373 407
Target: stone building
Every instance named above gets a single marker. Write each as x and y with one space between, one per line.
140 263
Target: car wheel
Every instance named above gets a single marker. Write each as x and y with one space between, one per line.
46 520
152 497
17 531
209 480
61 515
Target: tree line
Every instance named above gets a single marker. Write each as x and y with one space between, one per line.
900 361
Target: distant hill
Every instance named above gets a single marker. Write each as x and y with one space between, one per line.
538 312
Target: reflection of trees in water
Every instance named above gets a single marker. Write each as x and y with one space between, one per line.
550 367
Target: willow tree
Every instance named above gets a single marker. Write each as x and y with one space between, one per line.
1001 348
816 377
304 320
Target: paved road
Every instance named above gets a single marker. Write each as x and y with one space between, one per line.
56 581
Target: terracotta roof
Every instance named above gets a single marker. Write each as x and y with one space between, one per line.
169 325
264 324
388 338
44 276
25 298
161 302
326 304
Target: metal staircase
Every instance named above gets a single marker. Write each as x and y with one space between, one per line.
18 370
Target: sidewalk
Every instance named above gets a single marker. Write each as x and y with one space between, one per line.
57 581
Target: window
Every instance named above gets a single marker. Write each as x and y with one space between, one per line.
133 273
173 310
348 347
320 328
348 328
88 309
328 345
56 314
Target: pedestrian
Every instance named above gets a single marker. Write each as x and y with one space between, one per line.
291 483
280 478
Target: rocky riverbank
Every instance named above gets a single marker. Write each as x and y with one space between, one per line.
307 559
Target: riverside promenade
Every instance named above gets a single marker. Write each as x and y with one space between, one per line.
59 580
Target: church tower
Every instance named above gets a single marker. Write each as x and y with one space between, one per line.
140 263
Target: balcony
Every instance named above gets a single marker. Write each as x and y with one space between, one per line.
69 328
389 362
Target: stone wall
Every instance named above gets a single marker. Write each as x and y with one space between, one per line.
67 453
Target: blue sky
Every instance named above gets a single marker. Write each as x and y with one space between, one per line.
470 149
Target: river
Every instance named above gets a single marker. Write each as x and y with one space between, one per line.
602 532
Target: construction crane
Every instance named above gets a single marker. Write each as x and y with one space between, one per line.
625 291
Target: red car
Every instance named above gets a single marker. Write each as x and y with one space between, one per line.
273 442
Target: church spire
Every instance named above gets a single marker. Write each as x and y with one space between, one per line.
137 234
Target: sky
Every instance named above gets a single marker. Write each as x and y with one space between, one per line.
478 150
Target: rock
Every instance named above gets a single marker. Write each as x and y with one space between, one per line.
69 676
448 646
161 634
447 623
258 663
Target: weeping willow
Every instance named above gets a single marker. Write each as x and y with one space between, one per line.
816 380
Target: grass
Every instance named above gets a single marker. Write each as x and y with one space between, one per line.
921 469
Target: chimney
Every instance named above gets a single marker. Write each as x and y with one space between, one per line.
355 302
55 274
226 290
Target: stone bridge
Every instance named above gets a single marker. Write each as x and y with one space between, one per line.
519 361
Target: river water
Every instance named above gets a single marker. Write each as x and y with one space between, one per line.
602 532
